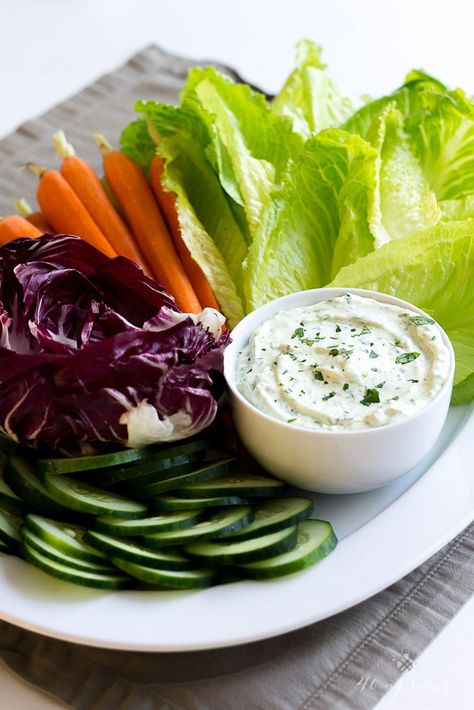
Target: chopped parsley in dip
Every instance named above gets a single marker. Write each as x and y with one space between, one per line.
350 362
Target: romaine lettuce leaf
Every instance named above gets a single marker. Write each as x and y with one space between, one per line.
318 220
403 201
433 270
249 146
309 97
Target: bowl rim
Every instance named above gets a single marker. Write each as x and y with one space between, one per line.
229 373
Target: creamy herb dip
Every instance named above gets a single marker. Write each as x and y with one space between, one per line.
350 362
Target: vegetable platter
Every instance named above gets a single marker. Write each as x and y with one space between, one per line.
119 292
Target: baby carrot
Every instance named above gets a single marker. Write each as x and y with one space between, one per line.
64 210
14 227
36 218
131 188
87 186
167 203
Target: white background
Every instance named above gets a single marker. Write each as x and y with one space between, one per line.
49 49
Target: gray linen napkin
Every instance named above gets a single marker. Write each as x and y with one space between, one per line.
348 661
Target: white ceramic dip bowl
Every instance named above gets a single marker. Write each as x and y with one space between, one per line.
340 461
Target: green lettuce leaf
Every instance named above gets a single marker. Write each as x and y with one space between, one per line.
462 208
442 131
433 270
137 143
249 146
403 201
318 220
406 99
309 97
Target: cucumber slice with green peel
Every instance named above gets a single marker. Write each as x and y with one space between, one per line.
244 485
113 580
8 496
257 548
163 474
5 549
10 526
316 539
79 496
162 460
65 538
126 550
221 522
169 579
76 464
173 503
53 553
20 474
273 515
148 472
160 523
204 473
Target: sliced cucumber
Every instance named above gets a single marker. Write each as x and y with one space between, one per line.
159 523
170 502
53 553
258 548
21 476
222 522
316 539
10 526
170 457
126 550
273 515
192 579
8 496
86 463
69 574
4 549
68 539
210 470
244 485
84 498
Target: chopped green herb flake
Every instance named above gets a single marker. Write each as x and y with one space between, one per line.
373 354
413 380
421 320
328 396
396 397
345 386
333 352
380 385
299 333
405 358
291 420
318 375
371 397
338 329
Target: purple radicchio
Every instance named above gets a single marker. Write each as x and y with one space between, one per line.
93 352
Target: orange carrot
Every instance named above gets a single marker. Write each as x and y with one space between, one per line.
131 188
39 220
167 203
64 210
36 218
87 186
14 227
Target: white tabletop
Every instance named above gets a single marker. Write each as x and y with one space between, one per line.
49 49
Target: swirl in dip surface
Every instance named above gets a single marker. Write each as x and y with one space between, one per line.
349 362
